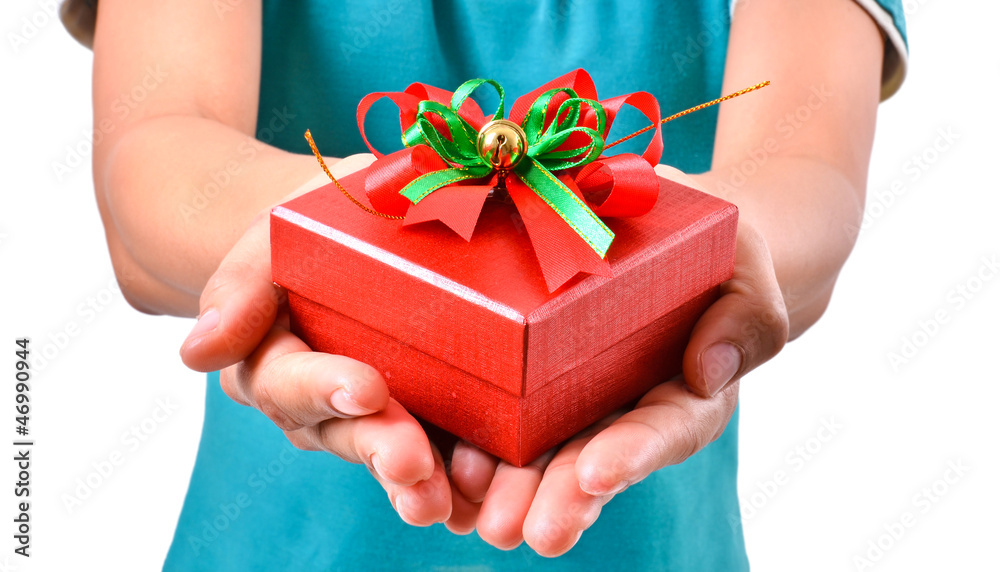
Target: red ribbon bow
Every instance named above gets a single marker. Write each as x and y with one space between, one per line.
621 185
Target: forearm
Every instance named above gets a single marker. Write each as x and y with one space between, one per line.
178 175
176 192
794 156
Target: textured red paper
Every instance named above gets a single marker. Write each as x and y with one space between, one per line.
466 334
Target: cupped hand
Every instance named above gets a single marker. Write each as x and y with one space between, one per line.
549 503
321 401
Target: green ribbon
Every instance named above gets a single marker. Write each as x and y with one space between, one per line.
535 169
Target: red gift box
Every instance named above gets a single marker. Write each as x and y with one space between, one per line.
467 335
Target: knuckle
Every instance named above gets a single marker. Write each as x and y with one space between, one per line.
329 438
301 440
264 401
228 381
280 418
767 330
691 435
261 390
690 442
775 318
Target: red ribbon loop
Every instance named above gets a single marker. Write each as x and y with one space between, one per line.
648 106
619 186
577 80
390 173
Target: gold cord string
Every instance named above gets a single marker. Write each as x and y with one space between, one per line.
692 110
322 163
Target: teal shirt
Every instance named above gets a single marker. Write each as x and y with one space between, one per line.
257 503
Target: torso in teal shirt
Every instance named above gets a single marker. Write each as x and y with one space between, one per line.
255 502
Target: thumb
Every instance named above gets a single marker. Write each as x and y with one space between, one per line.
238 305
240 302
745 327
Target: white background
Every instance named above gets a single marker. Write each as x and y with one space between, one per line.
873 487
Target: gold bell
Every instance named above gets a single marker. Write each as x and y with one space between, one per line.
502 144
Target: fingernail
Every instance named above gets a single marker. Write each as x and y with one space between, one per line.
601 491
207 322
377 467
403 509
346 406
719 364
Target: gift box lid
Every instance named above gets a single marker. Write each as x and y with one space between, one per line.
482 305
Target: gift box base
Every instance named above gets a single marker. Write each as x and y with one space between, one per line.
516 428
466 333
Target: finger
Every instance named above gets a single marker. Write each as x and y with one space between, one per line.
744 328
463 513
425 502
390 442
472 471
296 387
507 502
238 304
560 510
668 425
351 164
676 175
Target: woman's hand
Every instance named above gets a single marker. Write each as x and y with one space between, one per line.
322 402
795 204
549 503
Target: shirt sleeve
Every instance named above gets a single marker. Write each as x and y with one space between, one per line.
79 18
889 15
